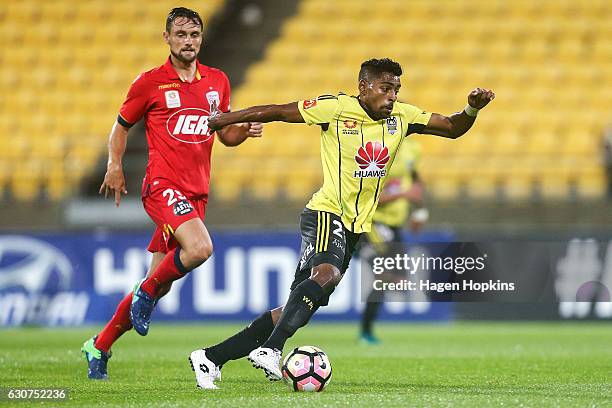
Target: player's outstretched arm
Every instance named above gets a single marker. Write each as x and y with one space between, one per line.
235 134
265 113
114 180
457 124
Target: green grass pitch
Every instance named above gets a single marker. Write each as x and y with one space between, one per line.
459 364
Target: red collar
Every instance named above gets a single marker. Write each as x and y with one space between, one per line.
174 75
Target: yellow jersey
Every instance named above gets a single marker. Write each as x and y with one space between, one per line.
394 213
357 153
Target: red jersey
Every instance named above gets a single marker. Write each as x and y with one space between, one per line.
176 122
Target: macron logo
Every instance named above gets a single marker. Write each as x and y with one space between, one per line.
189 125
372 160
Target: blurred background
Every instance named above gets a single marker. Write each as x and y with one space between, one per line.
536 166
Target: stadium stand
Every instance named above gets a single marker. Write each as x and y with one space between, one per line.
548 61
68 66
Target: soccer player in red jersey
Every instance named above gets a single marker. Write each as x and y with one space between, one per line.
175 100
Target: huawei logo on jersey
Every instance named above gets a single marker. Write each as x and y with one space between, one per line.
189 125
372 160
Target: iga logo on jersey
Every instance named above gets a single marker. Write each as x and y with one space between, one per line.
372 160
189 125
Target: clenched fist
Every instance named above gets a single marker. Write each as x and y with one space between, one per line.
479 97
254 129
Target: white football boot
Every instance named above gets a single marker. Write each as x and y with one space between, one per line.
268 360
206 371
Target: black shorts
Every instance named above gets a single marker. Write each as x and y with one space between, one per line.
324 240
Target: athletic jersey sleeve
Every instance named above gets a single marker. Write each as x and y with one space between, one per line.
136 103
320 110
417 118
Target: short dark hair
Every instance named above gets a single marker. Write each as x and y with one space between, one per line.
189 14
373 68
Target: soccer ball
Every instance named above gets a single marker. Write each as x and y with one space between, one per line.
307 368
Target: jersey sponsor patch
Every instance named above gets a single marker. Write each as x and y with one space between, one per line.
309 103
173 100
182 207
392 125
189 125
372 159
350 127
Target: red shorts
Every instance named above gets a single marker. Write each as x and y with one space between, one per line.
168 208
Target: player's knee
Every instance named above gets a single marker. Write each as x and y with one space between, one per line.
326 275
336 277
204 250
198 253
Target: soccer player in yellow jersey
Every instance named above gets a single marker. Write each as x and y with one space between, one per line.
401 189
360 137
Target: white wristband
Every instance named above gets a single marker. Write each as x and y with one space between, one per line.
471 111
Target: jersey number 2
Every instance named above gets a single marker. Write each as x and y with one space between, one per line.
170 194
338 231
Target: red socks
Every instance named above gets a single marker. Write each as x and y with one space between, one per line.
117 325
169 270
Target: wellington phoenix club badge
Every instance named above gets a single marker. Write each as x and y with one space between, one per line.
392 125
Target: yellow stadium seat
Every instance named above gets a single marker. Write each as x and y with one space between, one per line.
57 186
518 188
26 180
553 186
442 189
265 187
226 187
591 187
481 187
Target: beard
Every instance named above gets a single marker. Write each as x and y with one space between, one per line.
184 59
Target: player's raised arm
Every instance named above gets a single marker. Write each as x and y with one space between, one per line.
265 113
457 124
114 180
